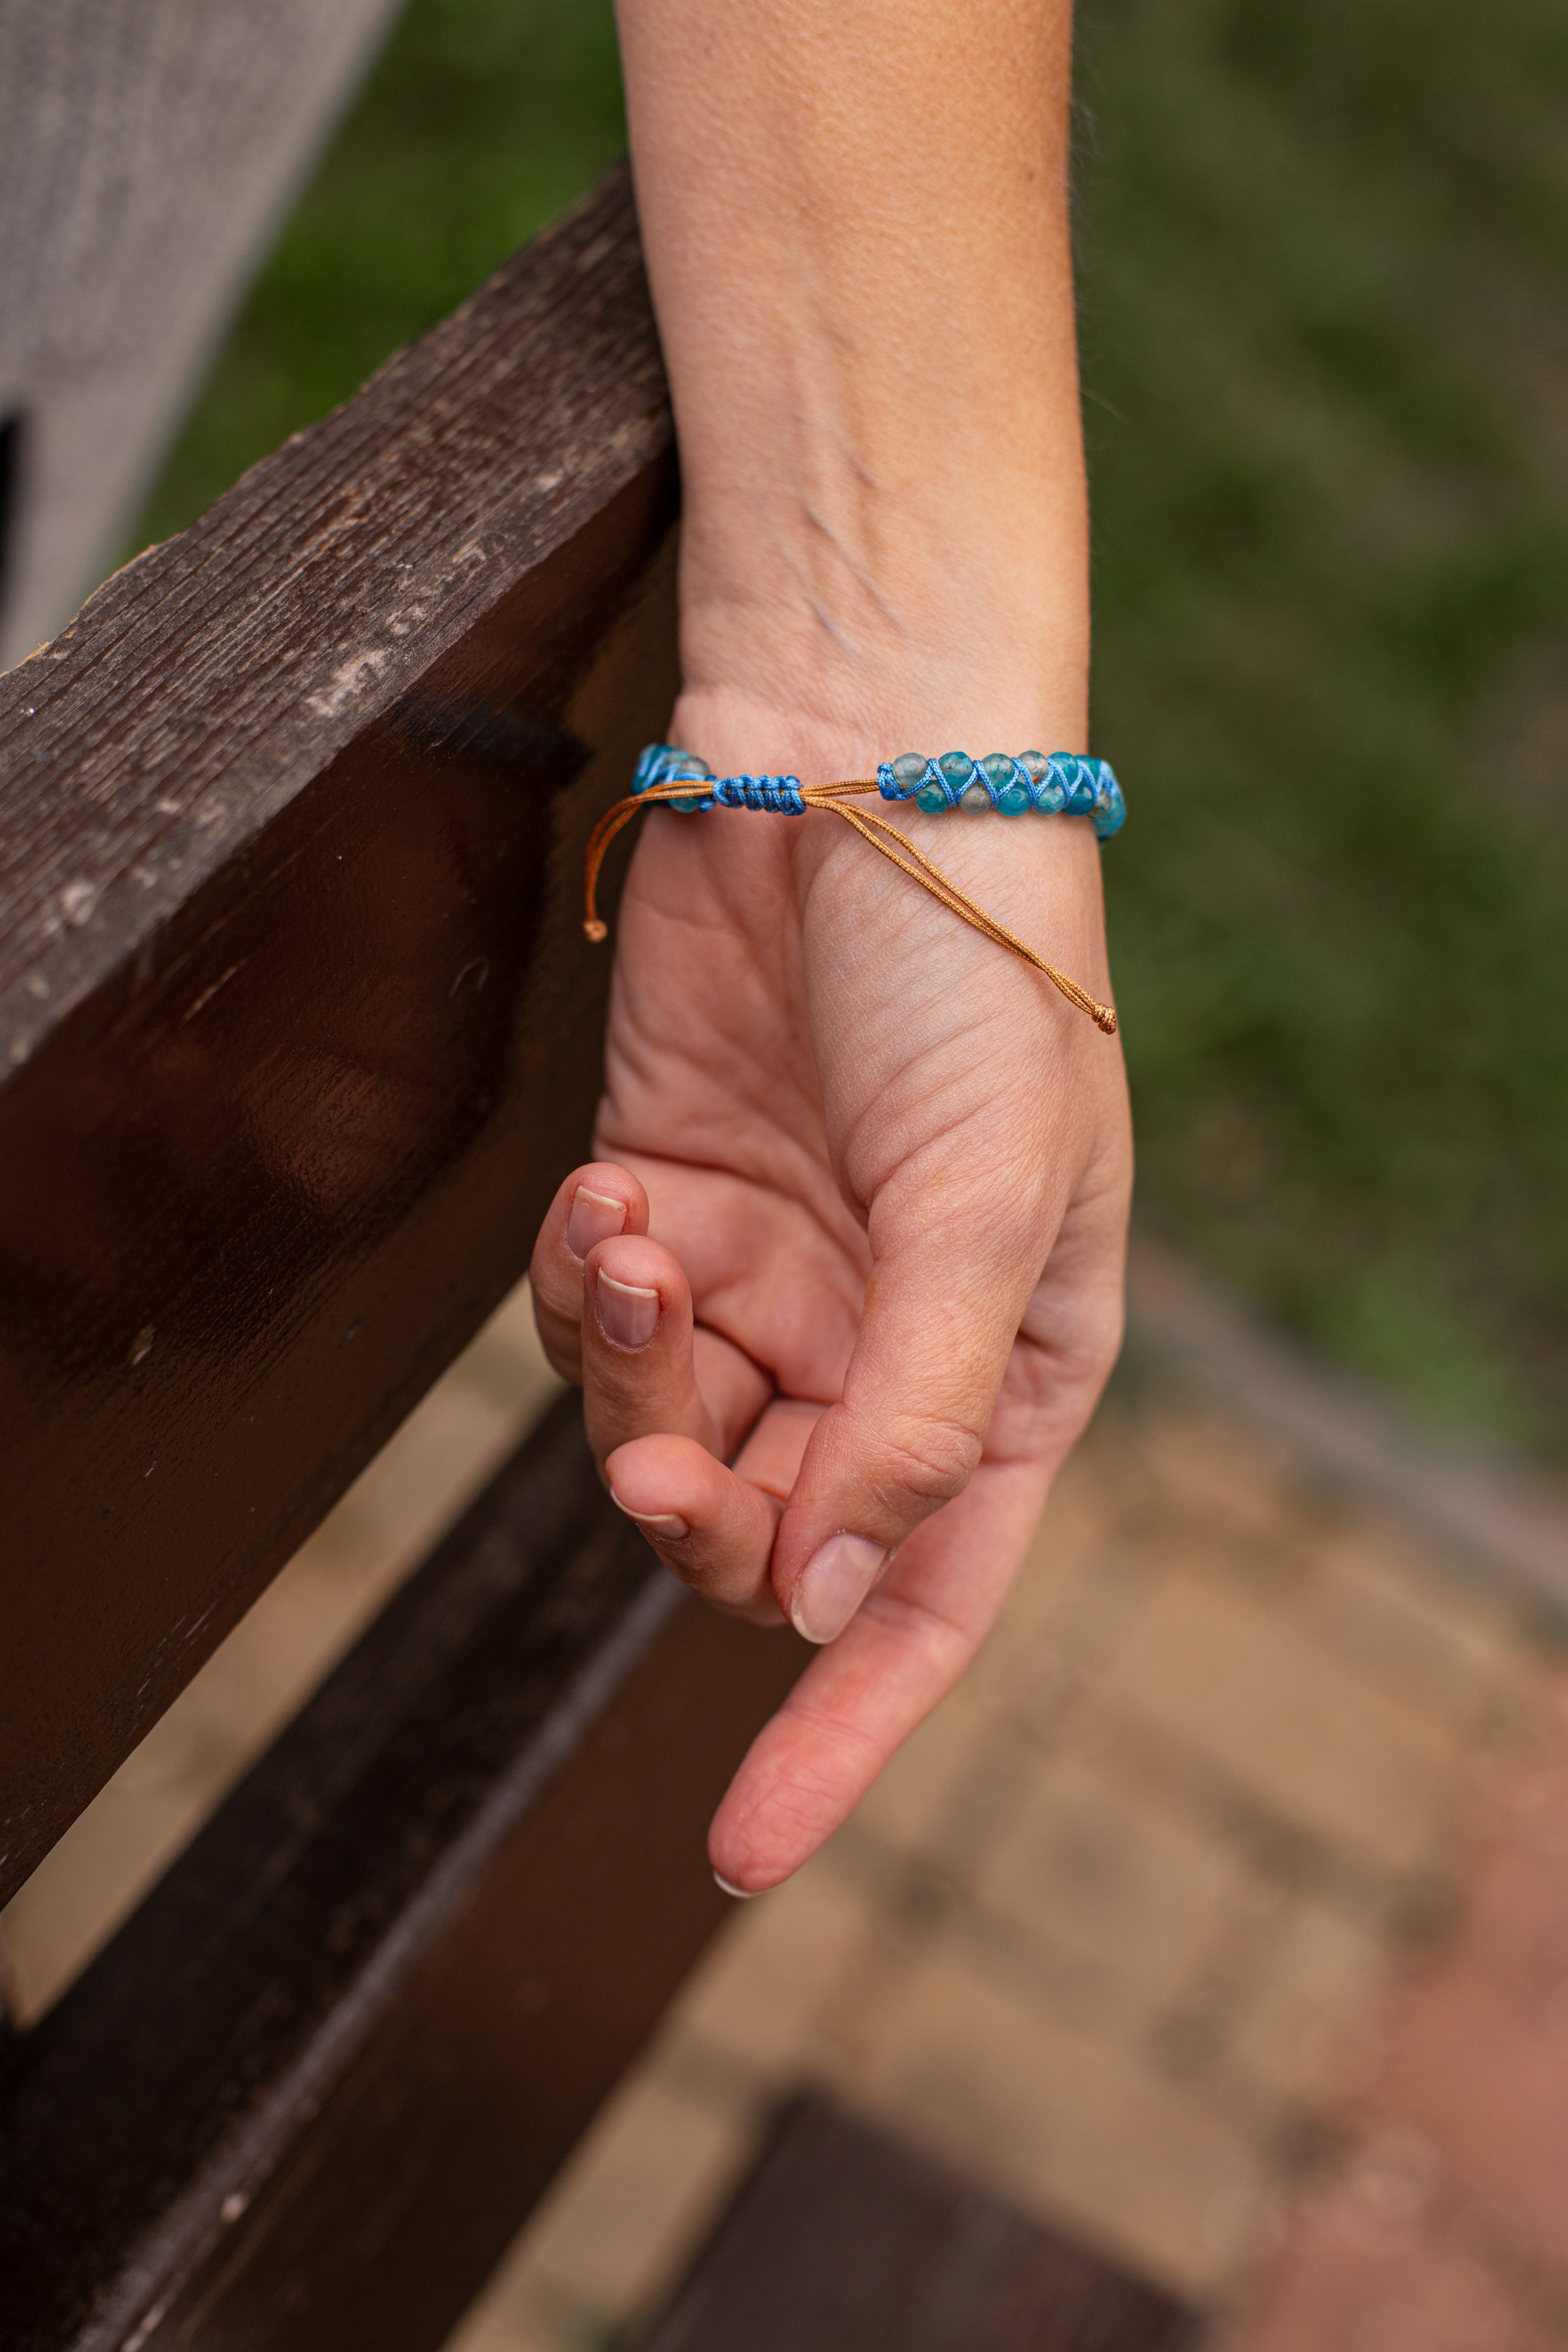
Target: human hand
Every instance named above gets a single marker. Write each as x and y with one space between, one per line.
845 1282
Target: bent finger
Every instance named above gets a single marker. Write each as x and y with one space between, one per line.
713 1527
596 1203
646 1370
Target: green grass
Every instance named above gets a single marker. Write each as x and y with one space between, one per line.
1324 268
1325 264
481 122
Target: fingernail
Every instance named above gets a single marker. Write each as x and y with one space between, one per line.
595 1217
627 1315
833 1583
668 1524
740 1893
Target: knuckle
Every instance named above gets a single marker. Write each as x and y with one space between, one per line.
930 1456
1086 1360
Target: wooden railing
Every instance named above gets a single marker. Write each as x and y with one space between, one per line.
297 1034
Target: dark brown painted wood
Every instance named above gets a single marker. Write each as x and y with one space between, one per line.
299 1027
308 2094
842 2241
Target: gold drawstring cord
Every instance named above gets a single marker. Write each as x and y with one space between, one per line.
889 839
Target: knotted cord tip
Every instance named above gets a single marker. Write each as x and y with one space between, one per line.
1104 1018
595 930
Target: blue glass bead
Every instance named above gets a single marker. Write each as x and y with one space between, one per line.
1050 793
957 772
1035 766
990 773
1014 798
931 797
653 761
900 779
1109 808
1076 788
664 763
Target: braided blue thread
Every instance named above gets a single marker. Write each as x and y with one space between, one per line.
1061 784
780 795
662 764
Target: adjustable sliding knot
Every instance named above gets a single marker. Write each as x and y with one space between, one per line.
779 795
1059 784
661 764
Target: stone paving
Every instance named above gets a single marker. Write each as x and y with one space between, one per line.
1114 1933
1222 1915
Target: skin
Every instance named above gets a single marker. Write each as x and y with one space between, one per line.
850 1262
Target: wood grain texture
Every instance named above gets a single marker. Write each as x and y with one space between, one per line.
299 1025
308 2093
843 2241
146 148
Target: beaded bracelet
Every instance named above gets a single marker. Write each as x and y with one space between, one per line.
1062 785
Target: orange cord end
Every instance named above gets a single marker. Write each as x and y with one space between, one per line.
889 839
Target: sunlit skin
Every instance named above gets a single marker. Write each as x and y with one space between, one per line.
849 1262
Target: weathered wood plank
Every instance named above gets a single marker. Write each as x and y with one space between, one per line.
310 2091
299 1027
842 2241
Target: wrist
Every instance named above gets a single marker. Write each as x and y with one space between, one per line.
1025 869
833 726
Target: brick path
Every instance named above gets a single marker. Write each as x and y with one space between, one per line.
1116 1931
1443 2224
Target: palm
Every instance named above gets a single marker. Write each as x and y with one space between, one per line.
826 1084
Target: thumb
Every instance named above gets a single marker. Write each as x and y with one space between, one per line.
935 1339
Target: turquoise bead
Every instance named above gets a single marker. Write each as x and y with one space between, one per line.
957 771
1109 808
931 797
1014 798
663 764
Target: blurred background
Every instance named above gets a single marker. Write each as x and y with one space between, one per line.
1324 301
1218 1916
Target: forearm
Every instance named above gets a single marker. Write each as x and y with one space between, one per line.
856 216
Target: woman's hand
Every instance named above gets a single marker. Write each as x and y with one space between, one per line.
845 1282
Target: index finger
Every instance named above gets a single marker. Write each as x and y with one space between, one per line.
862 1696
